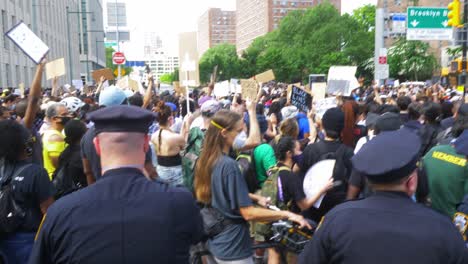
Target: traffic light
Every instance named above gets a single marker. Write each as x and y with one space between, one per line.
454 13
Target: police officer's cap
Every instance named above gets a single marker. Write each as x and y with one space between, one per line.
388 157
122 118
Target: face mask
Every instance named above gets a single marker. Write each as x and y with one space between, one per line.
240 140
298 158
64 120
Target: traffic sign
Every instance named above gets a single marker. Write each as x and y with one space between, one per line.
428 23
122 72
382 71
382 60
118 58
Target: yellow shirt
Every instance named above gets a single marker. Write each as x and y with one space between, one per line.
51 149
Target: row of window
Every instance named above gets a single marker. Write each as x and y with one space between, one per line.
19 73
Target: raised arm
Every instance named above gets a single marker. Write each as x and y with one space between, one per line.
34 96
149 92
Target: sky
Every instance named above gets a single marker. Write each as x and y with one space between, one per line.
170 17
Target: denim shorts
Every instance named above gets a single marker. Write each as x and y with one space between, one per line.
171 175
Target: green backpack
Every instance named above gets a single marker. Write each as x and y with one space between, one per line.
190 155
270 189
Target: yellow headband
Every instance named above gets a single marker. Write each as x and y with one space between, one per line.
217 125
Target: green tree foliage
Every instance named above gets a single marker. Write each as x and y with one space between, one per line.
225 56
411 60
168 78
109 64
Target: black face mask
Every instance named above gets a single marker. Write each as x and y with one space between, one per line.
64 120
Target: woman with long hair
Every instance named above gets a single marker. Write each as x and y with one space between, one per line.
30 188
168 145
219 183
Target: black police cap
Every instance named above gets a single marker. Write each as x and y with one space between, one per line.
389 156
122 118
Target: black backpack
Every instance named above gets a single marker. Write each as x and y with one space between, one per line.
340 172
64 183
11 213
246 163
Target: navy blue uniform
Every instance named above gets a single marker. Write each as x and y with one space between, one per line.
122 218
387 227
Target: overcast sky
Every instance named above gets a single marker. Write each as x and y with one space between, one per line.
168 18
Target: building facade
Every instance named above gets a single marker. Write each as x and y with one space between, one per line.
92 51
256 18
162 63
215 27
115 21
53 23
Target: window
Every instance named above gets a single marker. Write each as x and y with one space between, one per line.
8 75
13 22
18 76
26 75
5 28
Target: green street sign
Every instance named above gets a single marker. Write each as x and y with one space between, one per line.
110 44
428 23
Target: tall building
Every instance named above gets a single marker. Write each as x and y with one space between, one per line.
256 18
92 51
188 52
162 63
51 22
115 21
215 27
152 43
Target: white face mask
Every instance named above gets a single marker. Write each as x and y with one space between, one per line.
240 140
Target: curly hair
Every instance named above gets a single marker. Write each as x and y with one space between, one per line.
13 138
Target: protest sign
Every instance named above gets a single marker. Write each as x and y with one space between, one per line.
21 89
28 42
55 68
235 86
78 84
265 76
106 73
221 89
300 99
123 83
319 91
249 89
342 80
321 106
317 178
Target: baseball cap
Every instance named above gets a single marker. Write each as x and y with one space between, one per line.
210 107
112 96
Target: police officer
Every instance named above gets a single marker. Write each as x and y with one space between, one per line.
387 227
124 217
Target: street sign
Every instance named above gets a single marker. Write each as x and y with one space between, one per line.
398 23
118 58
428 23
382 71
383 56
110 44
122 72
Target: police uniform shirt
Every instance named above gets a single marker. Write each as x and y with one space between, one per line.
385 228
122 218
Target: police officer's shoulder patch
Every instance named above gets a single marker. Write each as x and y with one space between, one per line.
461 222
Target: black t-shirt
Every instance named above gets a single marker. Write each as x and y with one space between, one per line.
71 157
292 188
30 188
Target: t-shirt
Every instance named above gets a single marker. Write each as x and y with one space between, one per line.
51 149
89 152
447 173
229 193
303 123
264 156
292 188
30 188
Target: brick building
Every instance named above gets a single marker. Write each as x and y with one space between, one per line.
215 27
256 18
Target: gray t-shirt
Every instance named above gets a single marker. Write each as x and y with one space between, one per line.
89 152
228 194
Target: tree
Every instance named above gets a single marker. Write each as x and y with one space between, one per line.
168 78
411 60
110 64
223 55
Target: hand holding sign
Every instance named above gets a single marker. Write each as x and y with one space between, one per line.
28 42
249 89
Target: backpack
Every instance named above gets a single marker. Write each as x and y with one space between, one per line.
271 188
64 183
246 163
11 213
340 172
190 155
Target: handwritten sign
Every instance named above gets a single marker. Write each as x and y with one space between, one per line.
28 42
342 80
321 106
21 89
265 76
123 83
221 89
106 73
133 85
78 84
55 68
301 99
319 90
249 89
